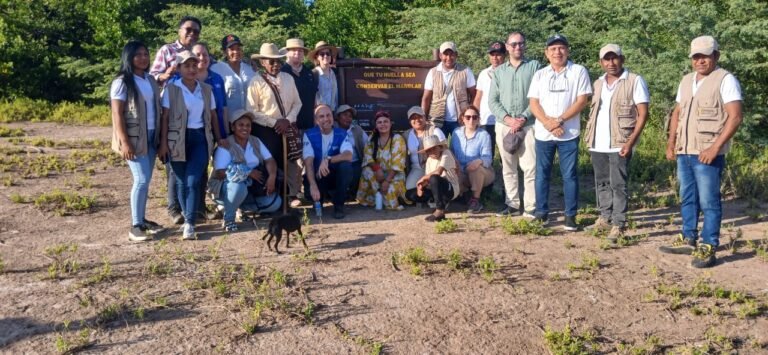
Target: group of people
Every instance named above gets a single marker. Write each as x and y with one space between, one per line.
274 123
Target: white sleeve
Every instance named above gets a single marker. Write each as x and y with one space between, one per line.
533 90
428 80
439 134
346 145
484 82
221 158
264 151
213 101
678 96
470 78
641 94
166 101
306 150
584 85
730 89
118 90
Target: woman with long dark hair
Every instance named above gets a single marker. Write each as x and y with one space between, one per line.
383 166
135 102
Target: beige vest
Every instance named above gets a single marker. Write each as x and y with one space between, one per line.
177 121
422 156
135 116
459 80
623 112
702 116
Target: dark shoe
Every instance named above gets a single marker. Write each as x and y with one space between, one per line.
508 211
433 218
679 246
570 224
176 218
230 226
139 234
704 256
543 220
153 227
338 212
474 206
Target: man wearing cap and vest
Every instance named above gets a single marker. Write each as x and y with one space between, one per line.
345 116
706 116
508 100
616 120
327 153
557 95
449 88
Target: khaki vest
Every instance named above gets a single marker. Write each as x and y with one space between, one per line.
459 87
702 116
623 111
177 121
135 116
359 145
422 156
238 153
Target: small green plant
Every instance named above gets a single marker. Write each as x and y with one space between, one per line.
11 132
455 260
64 202
416 258
566 343
588 263
487 267
2 265
749 309
105 273
63 260
446 226
17 198
8 181
523 227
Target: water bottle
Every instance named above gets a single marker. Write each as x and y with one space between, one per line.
318 208
379 201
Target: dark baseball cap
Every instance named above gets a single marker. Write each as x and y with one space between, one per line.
497 46
229 41
557 38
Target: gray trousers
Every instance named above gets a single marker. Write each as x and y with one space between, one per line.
611 186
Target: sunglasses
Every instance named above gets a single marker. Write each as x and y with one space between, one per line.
472 117
516 44
324 54
192 30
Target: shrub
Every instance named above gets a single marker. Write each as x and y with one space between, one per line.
79 113
24 110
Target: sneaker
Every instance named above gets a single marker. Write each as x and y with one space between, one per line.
474 206
704 256
138 234
528 215
189 232
338 212
680 245
295 202
616 233
433 218
177 217
508 211
230 226
543 220
570 224
153 227
600 225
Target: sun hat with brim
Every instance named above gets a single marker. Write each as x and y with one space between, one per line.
431 142
184 56
345 108
295 43
240 113
319 46
269 51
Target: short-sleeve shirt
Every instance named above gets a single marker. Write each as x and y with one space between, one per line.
484 81
118 91
222 157
730 89
307 151
556 92
448 162
235 84
640 95
412 143
451 111
194 103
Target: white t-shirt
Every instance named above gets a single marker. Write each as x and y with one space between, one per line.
556 92
730 89
222 157
194 103
484 81
412 143
640 95
451 111
307 151
119 91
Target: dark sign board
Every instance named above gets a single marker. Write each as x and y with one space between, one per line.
369 89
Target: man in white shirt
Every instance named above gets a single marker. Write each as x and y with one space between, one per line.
327 153
497 54
618 115
448 90
557 95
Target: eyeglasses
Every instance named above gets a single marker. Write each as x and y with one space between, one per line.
516 44
192 30
558 83
324 54
472 117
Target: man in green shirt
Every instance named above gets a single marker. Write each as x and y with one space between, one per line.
509 103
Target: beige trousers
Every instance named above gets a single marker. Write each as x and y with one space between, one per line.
525 156
478 179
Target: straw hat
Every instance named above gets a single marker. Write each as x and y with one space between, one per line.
431 142
295 43
238 114
323 45
269 51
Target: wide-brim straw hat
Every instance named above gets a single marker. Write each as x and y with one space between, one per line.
240 113
323 45
294 43
431 142
269 51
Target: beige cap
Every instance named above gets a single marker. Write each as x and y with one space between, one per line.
448 45
610 48
703 45
344 108
184 56
416 110
240 113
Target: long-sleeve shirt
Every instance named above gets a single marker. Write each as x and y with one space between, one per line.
468 150
164 58
262 102
509 91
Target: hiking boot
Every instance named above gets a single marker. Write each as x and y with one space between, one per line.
704 256
338 212
600 225
138 234
508 211
616 233
570 224
474 206
189 232
543 220
176 217
679 246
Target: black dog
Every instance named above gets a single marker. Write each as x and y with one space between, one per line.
289 223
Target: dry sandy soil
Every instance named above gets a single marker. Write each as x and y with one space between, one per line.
355 291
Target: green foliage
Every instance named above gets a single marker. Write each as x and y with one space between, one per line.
64 202
487 267
446 226
11 132
566 343
523 227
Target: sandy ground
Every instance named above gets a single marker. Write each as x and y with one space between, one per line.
354 292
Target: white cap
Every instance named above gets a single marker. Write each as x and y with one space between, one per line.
448 45
610 48
705 45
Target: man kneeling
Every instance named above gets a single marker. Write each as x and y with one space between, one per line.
327 159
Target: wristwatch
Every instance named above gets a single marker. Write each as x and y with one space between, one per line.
328 158
559 120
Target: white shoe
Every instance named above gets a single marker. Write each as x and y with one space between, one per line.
528 215
189 232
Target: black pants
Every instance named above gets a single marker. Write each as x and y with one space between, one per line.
272 140
491 129
439 189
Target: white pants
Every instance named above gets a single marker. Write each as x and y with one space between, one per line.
526 157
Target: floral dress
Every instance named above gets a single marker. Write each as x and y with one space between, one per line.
390 157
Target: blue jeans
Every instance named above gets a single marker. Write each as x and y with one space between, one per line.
189 173
700 192
448 127
235 195
569 161
141 169
338 180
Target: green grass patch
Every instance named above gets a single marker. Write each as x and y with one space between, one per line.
64 203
